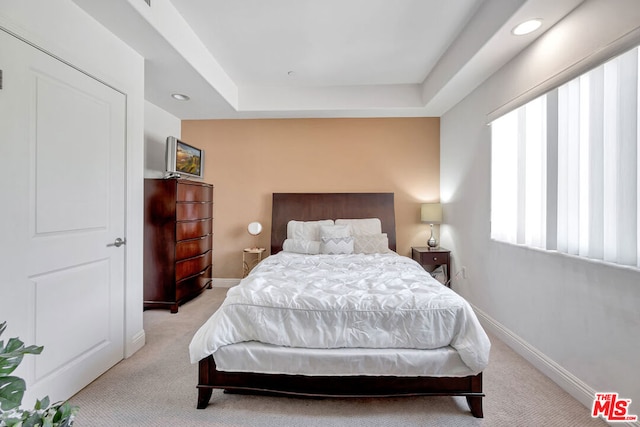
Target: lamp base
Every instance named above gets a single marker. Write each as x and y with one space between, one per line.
432 242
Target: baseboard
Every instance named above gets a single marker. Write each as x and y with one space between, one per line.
563 378
224 283
136 344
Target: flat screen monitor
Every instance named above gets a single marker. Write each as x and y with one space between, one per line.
184 159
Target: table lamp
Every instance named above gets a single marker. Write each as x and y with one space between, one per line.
431 213
254 229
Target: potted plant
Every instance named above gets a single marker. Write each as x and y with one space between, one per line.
12 390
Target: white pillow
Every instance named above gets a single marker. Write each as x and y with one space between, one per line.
300 246
362 227
335 231
336 245
374 244
306 230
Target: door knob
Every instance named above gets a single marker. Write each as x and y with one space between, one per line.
118 242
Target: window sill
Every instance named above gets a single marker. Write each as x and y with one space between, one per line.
553 252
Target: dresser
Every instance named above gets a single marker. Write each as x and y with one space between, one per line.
178 241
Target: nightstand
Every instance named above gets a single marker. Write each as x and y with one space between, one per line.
247 265
426 256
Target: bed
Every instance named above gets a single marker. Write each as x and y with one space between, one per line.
258 353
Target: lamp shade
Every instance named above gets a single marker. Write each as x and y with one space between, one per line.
254 228
431 213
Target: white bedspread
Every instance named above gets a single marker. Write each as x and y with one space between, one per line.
340 301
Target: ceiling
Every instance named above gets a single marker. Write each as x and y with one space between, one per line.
319 58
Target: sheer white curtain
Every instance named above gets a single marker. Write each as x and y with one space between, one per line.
589 128
518 180
504 178
598 163
535 174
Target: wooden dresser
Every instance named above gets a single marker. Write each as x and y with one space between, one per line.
178 241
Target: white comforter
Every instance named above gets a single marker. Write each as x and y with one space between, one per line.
339 301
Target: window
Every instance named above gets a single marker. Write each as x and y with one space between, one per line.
566 167
519 175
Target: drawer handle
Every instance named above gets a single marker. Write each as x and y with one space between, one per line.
435 258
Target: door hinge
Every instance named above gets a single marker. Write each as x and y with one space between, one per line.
0 79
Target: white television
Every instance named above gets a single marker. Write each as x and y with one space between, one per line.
183 160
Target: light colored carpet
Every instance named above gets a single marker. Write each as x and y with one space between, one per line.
156 387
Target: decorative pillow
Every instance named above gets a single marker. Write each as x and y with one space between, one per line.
374 244
362 227
335 231
306 230
301 246
336 245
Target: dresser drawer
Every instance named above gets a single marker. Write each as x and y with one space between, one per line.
193 285
193 247
193 229
194 193
191 211
192 266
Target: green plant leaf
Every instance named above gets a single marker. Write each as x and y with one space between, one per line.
12 354
42 404
65 414
35 419
9 362
11 392
17 346
10 422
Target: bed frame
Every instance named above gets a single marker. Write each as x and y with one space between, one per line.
316 206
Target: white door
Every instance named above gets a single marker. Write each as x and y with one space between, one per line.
62 152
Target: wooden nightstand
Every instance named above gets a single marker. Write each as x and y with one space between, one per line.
426 256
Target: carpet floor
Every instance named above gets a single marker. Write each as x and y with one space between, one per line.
156 387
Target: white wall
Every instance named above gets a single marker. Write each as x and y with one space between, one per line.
577 320
64 30
158 125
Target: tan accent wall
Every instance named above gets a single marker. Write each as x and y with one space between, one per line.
248 160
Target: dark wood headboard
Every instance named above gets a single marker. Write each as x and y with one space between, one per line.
317 206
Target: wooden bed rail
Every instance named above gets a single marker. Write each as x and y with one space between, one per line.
326 386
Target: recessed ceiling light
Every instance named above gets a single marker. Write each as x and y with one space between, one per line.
527 27
180 96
